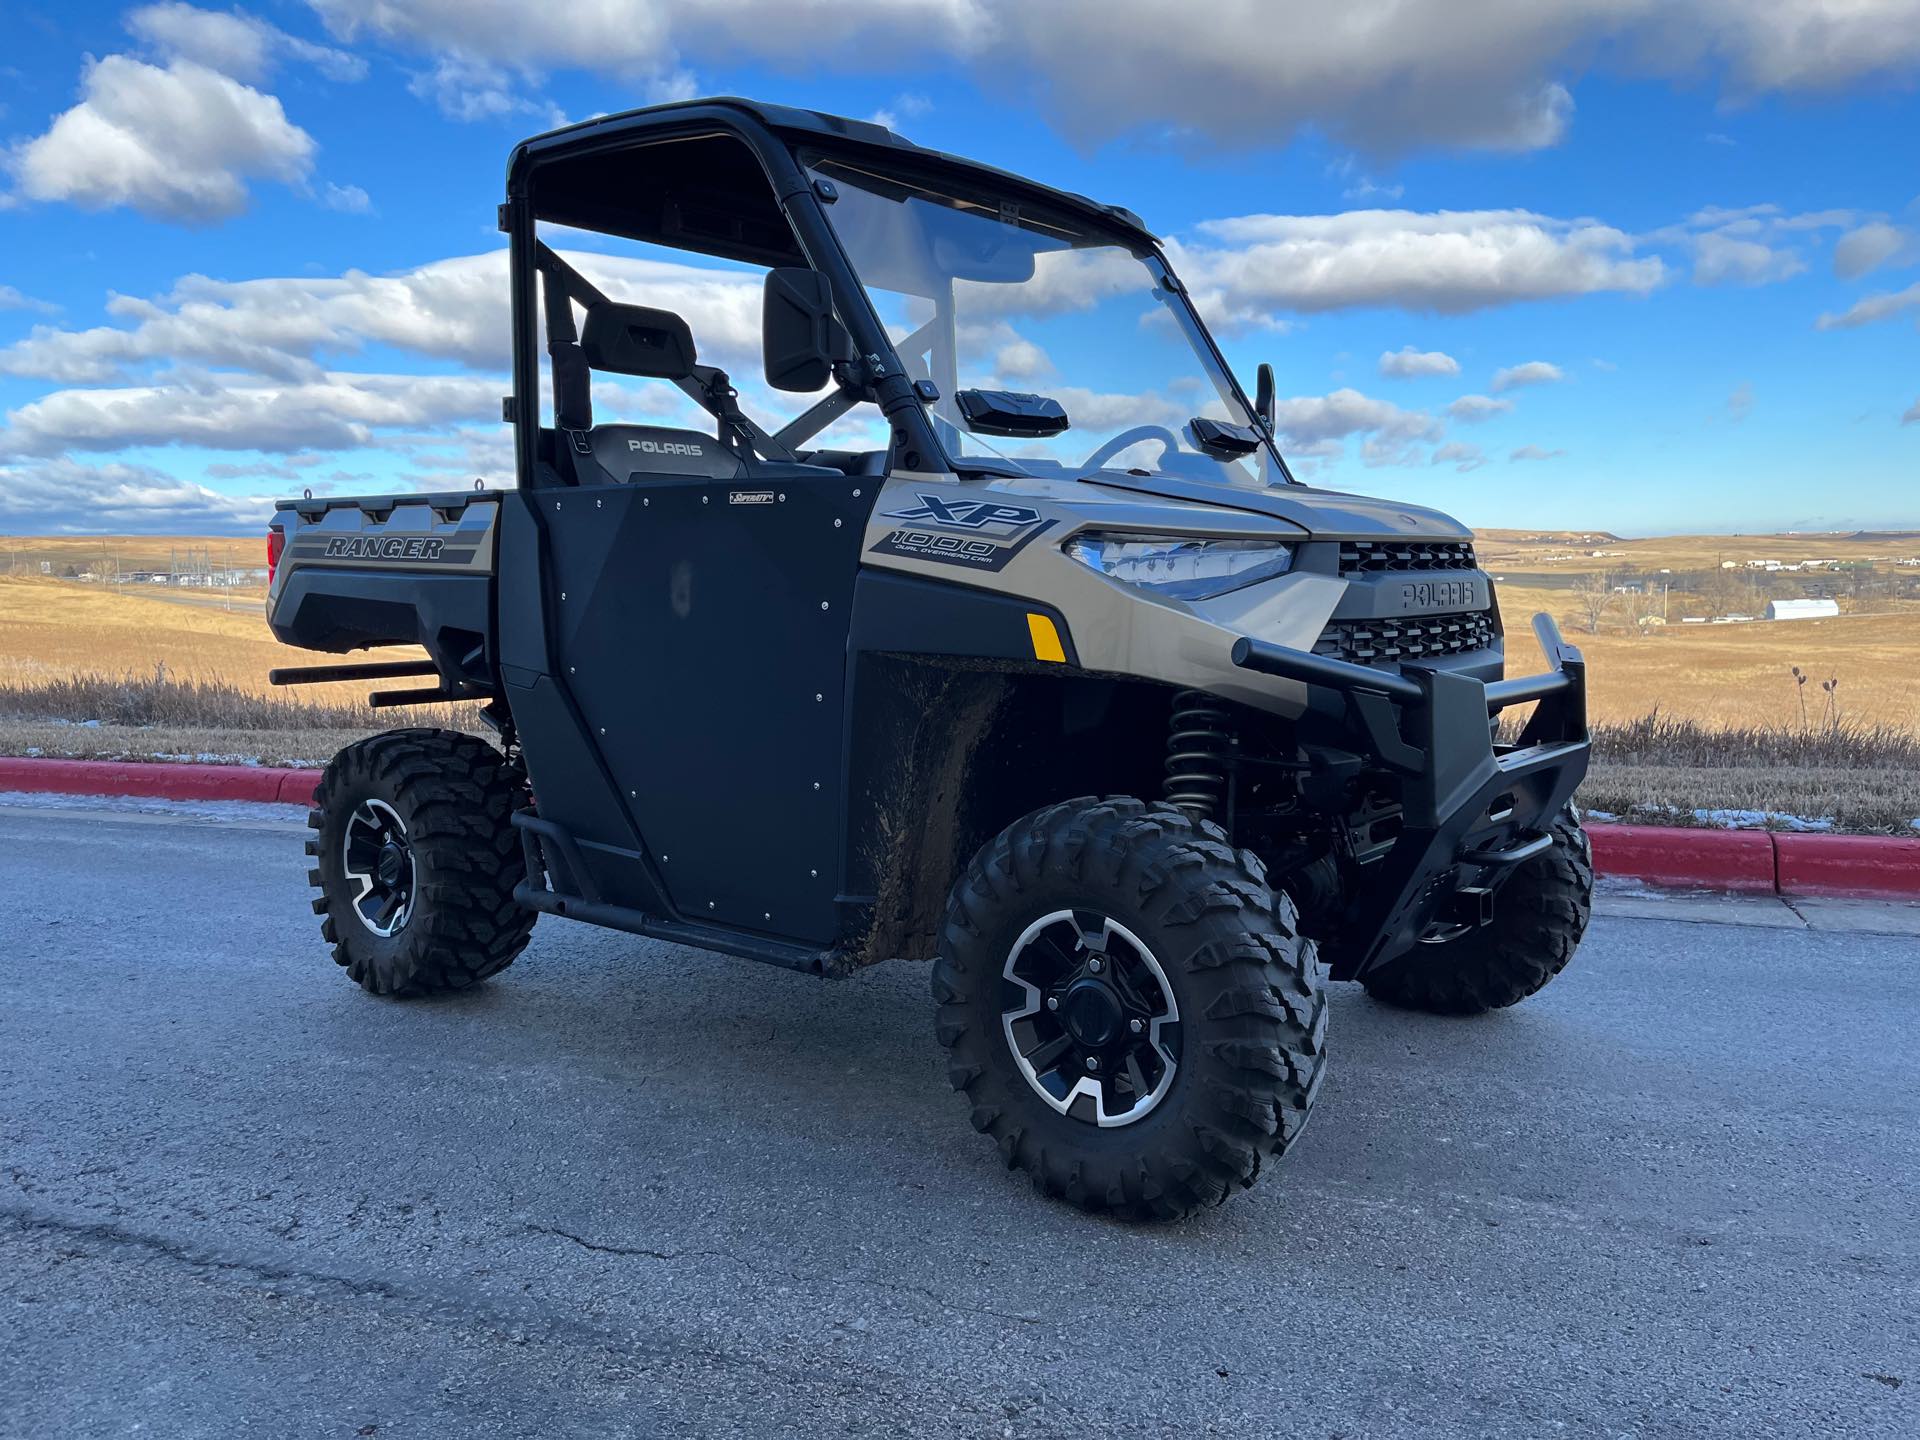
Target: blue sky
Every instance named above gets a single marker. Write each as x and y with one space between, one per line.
1688 231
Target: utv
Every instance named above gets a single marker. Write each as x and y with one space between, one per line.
1131 734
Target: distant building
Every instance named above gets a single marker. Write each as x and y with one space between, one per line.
1801 609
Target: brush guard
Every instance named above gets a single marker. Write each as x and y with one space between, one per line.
1473 809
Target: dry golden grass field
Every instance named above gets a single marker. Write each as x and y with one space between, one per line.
21 554
1732 675
1730 733
1721 675
51 629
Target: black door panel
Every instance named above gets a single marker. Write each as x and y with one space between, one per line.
701 628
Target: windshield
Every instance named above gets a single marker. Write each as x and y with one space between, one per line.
982 295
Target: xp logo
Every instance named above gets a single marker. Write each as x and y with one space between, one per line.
967 514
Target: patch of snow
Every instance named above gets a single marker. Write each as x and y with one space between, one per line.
1732 819
1627 885
1762 820
204 757
1601 815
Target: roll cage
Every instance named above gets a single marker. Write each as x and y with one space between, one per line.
657 175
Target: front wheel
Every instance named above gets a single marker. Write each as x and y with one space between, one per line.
1539 916
1130 1011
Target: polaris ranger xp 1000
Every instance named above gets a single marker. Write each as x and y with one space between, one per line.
983 624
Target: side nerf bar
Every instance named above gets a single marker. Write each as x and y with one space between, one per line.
1472 810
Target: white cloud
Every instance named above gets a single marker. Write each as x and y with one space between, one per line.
1535 452
1062 281
1912 417
638 39
1721 259
348 198
1381 75
1868 248
177 143
1750 244
64 496
1102 411
1472 409
1872 308
1533 372
901 107
234 43
466 89
1407 363
12 299
1021 359
1448 262
1459 454
1740 402
1308 421
453 309
335 411
245 365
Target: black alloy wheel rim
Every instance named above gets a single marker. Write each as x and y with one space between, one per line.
377 859
1089 1017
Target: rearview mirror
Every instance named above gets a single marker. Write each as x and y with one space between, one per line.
798 334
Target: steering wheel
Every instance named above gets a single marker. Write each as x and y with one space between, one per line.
1132 437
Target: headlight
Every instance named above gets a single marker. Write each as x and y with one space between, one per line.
1181 568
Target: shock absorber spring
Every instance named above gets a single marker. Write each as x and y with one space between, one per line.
1199 746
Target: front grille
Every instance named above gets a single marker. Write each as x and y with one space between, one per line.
1383 642
1371 557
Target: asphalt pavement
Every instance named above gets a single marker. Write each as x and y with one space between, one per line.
633 1189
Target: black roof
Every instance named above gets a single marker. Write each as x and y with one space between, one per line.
830 131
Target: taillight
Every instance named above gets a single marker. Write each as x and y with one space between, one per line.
276 542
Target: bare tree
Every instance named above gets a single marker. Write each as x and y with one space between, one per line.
1593 593
1639 603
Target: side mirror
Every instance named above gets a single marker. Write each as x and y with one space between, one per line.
798 334
1263 395
1222 438
1010 412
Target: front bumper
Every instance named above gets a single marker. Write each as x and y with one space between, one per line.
1473 809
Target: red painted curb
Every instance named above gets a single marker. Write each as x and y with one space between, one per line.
161 780
1696 859
1879 867
1866 867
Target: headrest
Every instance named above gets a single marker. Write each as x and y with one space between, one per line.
633 340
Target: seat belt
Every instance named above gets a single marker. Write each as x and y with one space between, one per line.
572 382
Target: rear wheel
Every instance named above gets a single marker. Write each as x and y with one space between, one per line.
1539 916
416 860
1129 1010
